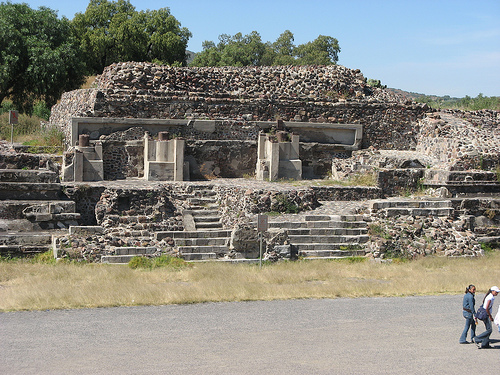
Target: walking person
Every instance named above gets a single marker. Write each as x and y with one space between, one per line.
469 313
483 340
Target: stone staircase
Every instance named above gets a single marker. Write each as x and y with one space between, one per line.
326 236
462 182
203 237
203 212
31 211
412 207
206 244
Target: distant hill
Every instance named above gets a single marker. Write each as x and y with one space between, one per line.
415 95
467 103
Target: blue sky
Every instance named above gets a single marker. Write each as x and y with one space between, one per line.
441 47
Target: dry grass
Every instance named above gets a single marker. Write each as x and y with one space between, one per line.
28 286
89 82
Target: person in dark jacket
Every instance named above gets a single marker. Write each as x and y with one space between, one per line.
469 313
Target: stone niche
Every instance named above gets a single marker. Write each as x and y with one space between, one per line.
278 157
163 158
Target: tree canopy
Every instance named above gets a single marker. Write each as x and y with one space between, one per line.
249 50
113 31
39 56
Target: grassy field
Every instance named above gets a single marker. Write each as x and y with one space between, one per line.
26 285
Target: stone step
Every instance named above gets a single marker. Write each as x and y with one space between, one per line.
317 224
466 188
201 189
392 212
286 224
54 217
201 212
30 176
327 257
327 239
330 253
441 176
216 225
217 241
386 204
18 209
135 250
337 224
25 238
117 259
216 249
348 218
199 256
210 207
325 246
23 250
17 225
192 234
202 201
30 191
317 218
329 231
489 239
206 219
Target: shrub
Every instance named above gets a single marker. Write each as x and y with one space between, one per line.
140 262
157 262
281 203
168 261
45 258
41 110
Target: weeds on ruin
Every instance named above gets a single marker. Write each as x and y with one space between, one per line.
378 230
284 205
140 262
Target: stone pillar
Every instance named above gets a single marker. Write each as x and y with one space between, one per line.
179 159
83 140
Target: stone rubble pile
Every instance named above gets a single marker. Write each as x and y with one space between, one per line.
318 83
412 237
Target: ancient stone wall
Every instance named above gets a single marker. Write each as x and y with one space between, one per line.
237 97
462 140
393 182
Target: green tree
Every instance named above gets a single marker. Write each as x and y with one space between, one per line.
323 50
239 50
113 31
39 56
242 50
376 83
284 49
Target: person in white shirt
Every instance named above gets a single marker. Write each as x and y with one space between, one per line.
483 340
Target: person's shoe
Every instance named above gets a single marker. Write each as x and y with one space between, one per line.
464 342
479 345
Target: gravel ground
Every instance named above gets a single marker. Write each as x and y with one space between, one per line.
413 335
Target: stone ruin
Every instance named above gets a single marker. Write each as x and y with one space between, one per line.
229 128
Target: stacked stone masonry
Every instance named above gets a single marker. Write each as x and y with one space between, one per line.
237 97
